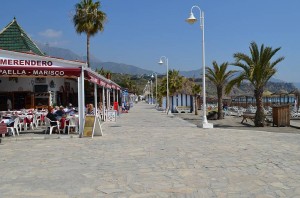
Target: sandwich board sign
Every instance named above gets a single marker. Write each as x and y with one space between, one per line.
111 116
92 126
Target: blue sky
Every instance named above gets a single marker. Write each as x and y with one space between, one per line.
139 32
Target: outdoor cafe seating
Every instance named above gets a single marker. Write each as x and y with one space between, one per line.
23 120
33 120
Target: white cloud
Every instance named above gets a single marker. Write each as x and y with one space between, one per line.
58 43
50 33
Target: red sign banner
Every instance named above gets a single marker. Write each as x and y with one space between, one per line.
39 71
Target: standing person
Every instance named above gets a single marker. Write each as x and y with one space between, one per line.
225 106
9 105
116 106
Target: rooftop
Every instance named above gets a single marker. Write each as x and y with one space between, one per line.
14 38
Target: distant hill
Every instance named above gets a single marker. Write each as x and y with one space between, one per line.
192 73
297 85
198 72
59 52
120 68
95 62
67 54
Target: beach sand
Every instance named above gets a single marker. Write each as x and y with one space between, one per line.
234 122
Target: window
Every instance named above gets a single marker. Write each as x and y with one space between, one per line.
40 88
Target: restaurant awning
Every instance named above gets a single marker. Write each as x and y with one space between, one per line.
99 80
39 71
94 78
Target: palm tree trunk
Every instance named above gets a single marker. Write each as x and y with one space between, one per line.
88 50
196 106
220 106
259 115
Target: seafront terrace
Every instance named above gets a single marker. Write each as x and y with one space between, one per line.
149 154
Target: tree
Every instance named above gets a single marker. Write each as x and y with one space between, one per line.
104 72
175 81
257 69
219 77
196 89
175 84
89 20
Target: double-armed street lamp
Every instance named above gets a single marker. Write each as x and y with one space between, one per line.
166 63
192 20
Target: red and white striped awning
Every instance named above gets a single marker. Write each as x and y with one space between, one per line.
99 80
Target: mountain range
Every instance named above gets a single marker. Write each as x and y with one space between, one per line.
116 67
95 62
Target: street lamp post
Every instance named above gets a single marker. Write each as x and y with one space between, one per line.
192 20
146 92
155 87
151 91
166 62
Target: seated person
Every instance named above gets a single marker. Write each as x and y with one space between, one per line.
71 112
90 109
60 112
51 116
100 106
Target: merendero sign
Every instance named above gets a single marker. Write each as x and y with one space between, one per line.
25 62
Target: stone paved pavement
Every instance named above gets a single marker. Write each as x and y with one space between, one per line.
149 154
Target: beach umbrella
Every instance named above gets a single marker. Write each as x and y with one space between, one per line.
267 93
280 93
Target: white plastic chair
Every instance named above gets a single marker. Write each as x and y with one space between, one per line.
37 120
72 124
21 124
48 125
15 127
30 123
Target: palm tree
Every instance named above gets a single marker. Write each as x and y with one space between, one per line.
175 81
257 69
219 77
196 89
89 20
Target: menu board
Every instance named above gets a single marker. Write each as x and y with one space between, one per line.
92 126
88 126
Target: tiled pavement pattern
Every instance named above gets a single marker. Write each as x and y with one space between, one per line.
149 154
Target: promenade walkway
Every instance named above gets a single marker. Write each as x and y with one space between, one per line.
149 154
